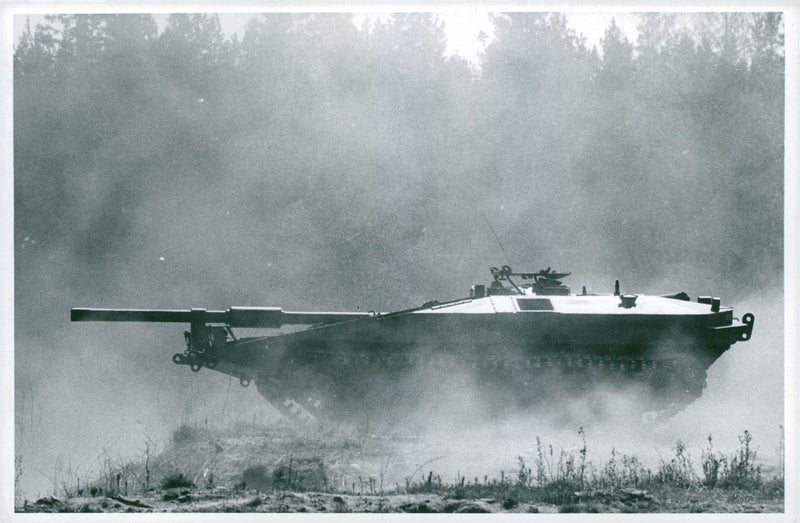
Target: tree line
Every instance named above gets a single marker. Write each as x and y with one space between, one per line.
360 158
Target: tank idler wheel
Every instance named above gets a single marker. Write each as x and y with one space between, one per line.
178 358
244 382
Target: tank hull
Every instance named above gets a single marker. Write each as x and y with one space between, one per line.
391 364
502 348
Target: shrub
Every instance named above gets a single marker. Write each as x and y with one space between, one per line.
510 503
303 474
256 501
177 480
185 434
256 477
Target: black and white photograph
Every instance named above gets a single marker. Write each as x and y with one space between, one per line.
385 258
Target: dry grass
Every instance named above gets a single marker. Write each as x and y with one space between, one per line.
567 479
248 459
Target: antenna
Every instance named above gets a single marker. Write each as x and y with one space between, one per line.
496 238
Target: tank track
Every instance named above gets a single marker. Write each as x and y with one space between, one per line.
305 413
320 385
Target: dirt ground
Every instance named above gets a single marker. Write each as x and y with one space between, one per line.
251 468
221 499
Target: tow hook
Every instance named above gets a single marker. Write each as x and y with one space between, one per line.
748 319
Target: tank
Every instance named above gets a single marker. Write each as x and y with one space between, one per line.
523 340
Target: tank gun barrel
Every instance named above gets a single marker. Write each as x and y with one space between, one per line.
245 317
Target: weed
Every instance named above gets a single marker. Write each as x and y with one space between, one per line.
679 470
583 453
781 455
147 465
540 478
565 478
19 498
633 473
431 485
740 470
711 465
209 480
566 467
609 476
524 475
559 492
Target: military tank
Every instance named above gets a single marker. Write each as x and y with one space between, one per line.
523 340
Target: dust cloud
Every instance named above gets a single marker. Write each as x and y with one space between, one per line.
454 427
744 392
316 166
